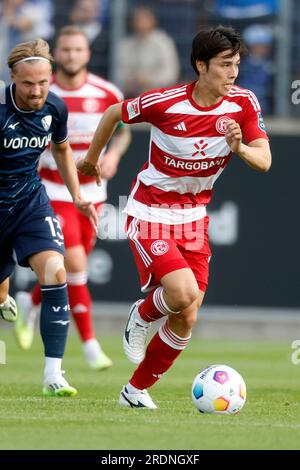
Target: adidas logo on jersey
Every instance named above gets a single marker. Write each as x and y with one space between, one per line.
180 127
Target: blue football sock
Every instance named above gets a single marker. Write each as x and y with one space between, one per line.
55 319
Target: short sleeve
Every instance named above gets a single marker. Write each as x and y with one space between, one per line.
252 124
132 111
145 108
60 132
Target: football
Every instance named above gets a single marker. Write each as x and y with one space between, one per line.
219 389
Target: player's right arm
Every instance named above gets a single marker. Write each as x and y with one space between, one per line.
89 166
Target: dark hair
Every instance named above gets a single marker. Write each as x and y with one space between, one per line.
209 42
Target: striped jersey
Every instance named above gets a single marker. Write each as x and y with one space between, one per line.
86 106
188 150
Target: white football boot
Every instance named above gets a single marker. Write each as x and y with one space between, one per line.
9 310
95 356
135 336
57 386
24 327
141 399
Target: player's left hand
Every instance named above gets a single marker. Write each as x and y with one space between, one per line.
109 164
88 209
234 135
88 169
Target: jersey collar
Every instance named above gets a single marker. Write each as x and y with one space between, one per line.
190 89
11 89
62 87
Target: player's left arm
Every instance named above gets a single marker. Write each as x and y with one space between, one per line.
118 146
256 154
62 154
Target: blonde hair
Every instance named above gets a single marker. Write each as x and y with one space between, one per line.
25 50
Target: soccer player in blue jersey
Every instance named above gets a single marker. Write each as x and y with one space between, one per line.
31 117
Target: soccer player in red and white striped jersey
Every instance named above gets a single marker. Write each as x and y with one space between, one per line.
87 97
195 128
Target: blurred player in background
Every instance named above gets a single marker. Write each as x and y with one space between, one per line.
195 129
8 307
31 118
87 97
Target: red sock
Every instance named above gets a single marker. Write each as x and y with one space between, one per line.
161 352
36 295
80 303
154 306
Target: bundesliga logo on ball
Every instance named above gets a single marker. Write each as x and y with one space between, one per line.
219 389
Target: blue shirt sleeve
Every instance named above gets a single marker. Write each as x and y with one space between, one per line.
2 113
60 132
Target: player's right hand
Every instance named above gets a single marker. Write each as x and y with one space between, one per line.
89 169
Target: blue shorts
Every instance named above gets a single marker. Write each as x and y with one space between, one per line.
29 228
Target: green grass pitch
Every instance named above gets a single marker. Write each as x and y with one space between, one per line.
93 420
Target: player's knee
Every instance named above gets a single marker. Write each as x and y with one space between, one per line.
184 296
190 321
55 272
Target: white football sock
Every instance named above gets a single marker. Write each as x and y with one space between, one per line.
52 367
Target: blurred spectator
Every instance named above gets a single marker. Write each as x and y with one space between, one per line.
87 15
148 58
180 19
104 12
256 70
241 9
22 21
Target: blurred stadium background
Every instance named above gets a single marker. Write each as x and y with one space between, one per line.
254 231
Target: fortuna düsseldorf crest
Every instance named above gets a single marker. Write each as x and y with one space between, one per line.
221 124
